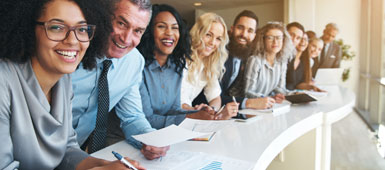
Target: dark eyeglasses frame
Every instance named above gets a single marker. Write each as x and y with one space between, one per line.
69 30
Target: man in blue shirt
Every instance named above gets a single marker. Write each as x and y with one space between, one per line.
124 79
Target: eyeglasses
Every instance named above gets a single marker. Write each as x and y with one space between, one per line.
272 38
59 32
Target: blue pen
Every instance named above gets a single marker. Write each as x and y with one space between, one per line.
124 161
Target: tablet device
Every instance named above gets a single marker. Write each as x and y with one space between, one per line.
300 98
328 76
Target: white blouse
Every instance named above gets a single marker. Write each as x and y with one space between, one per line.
189 91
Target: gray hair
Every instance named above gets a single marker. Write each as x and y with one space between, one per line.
142 4
331 26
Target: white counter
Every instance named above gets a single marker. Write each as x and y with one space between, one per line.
262 140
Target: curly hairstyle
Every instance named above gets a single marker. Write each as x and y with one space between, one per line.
18 40
213 64
287 47
182 49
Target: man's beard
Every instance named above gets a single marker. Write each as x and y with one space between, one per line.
241 51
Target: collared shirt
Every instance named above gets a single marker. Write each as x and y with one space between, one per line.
124 80
160 93
262 79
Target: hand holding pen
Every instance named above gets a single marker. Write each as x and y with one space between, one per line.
227 111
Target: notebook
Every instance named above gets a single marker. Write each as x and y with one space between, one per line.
300 98
328 76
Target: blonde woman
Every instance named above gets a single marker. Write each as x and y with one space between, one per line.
208 41
265 74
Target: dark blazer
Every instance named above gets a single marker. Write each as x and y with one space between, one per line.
328 59
225 86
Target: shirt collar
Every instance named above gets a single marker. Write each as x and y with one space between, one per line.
99 61
154 64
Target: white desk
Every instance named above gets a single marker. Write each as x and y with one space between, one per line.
304 134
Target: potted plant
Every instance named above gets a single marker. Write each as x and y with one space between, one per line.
347 55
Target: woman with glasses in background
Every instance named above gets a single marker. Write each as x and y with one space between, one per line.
265 73
42 41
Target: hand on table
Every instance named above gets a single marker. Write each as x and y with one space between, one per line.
152 152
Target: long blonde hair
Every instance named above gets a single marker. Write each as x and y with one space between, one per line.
213 64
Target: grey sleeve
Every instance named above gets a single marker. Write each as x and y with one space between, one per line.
6 150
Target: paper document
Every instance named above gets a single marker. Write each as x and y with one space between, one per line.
177 160
167 136
205 126
315 94
277 108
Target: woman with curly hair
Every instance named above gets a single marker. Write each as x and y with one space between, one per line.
265 73
208 45
42 41
165 46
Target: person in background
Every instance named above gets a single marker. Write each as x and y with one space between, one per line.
295 69
331 53
117 78
209 38
240 47
44 41
265 73
165 47
313 51
296 32
311 34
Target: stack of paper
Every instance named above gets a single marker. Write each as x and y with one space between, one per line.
278 108
205 126
167 136
177 160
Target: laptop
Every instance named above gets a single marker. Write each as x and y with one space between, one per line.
328 76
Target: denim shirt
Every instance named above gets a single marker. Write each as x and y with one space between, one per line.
160 93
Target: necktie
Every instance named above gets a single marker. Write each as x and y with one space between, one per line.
98 138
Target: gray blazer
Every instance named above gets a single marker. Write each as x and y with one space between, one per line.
33 133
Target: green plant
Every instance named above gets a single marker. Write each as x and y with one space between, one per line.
347 54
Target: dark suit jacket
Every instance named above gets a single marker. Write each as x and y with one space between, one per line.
329 59
225 86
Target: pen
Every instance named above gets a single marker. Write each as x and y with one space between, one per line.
234 99
221 109
124 161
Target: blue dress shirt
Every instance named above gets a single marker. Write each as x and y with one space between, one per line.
160 93
124 79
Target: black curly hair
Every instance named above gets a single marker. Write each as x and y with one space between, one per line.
182 50
18 18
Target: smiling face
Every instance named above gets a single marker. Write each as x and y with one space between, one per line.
329 35
166 33
244 30
58 58
303 44
315 48
273 41
212 39
129 24
296 35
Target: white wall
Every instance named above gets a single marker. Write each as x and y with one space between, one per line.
269 11
315 14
